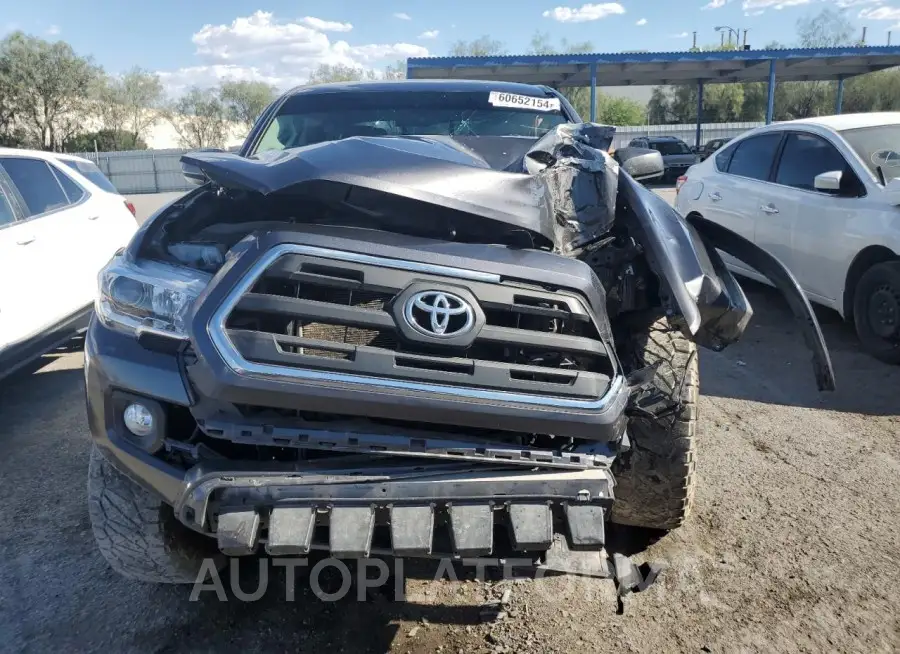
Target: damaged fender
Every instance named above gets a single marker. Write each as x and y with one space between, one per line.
697 285
776 272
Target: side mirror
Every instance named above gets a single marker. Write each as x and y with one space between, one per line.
830 181
641 163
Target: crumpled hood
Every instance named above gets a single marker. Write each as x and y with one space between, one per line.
428 170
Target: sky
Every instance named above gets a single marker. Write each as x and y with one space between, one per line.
280 41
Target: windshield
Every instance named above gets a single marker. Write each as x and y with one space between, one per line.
877 146
670 147
307 119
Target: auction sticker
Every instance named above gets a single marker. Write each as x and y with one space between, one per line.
500 99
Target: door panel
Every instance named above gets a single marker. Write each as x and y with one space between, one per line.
733 198
51 243
809 239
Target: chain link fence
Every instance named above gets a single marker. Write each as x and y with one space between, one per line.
159 171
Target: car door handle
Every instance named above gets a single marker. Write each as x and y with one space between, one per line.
768 208
715 196
93 217
25 240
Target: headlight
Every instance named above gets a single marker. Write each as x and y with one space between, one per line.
148 296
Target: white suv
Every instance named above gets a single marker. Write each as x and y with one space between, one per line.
61 221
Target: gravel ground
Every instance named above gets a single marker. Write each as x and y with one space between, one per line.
793 545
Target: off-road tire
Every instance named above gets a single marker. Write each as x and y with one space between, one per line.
138 534
883 278
655 478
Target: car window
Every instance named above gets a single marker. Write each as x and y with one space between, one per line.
671 147
36 184
753 157
94 174
6 212
877 147
805 156
73 191
723 158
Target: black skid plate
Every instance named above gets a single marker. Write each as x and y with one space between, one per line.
436 511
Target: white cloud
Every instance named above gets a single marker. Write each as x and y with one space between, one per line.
429 34
53 30
282 53
758 12
680 35
750 5
881 13
714 4
178 81
402 15
843 4
326 25
641 22
584 13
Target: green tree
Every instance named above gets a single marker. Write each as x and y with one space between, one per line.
481 47
200 119
104 140
613 110
45 87
246 100
143 96
130 103
327 73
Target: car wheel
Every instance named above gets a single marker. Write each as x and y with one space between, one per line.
138 534
655 479
876 311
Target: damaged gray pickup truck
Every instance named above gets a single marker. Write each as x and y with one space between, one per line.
417 318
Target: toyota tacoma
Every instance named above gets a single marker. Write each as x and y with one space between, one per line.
419 318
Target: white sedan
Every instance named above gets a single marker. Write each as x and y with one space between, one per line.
61 221
822 195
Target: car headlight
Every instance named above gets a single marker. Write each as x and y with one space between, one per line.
148 296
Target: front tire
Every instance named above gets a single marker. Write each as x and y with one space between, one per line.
655 479
138 534
876 311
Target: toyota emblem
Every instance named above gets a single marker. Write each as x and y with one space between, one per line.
439 314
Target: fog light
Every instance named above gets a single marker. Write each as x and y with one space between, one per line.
139 420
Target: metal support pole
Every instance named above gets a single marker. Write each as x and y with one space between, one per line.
839 101
770 105
593 92
699 110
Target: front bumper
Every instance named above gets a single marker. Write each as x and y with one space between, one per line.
349 506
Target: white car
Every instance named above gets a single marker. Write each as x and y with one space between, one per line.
823 196
61 221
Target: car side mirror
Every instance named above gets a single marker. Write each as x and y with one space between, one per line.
830 181
641 163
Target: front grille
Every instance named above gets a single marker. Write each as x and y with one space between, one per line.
305 311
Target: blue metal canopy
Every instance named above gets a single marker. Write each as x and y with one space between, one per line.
654 68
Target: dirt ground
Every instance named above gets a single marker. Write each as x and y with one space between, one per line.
792 547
